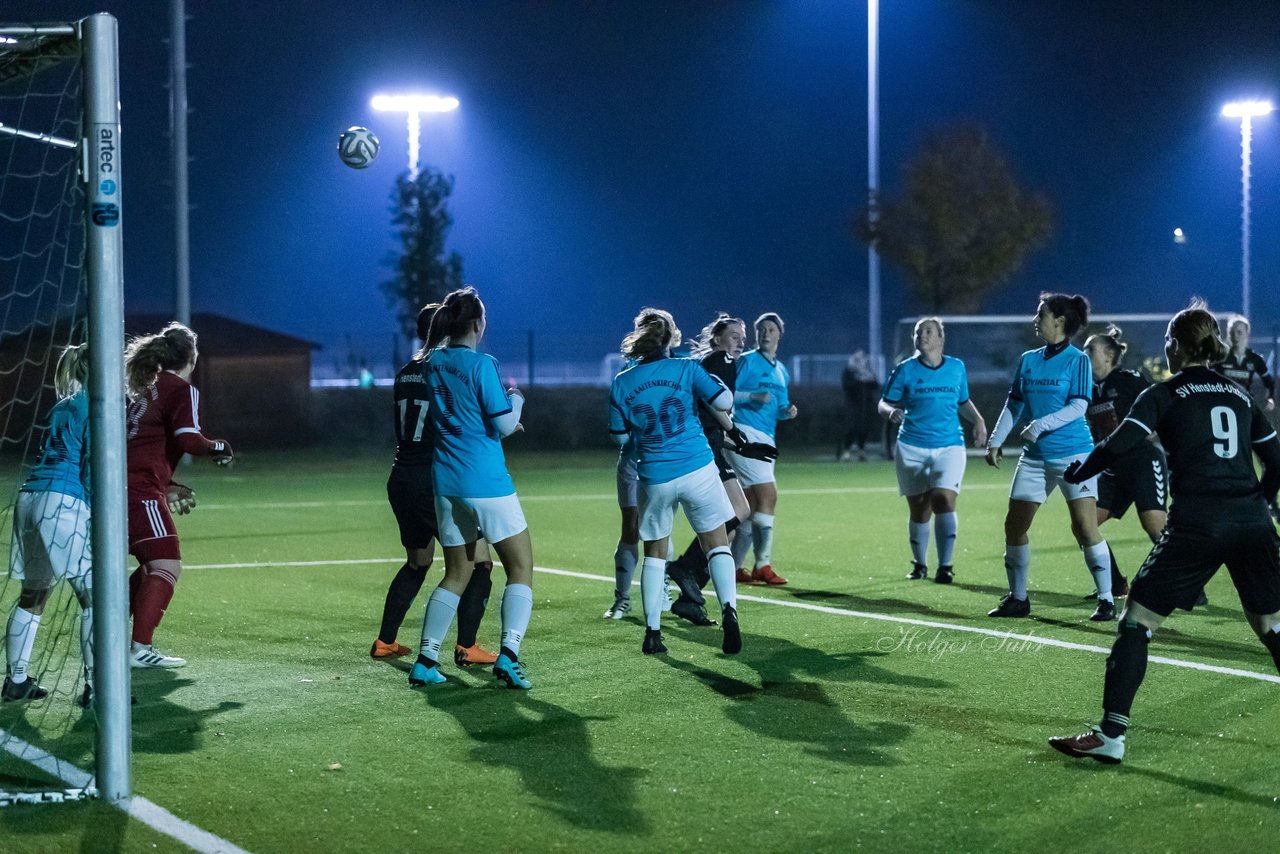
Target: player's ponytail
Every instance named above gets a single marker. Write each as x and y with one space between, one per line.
654 334
1109 340
425 316
173 349
705 342
72 371
1074 311
455 317
1196 331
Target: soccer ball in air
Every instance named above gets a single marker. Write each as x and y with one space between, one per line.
358 147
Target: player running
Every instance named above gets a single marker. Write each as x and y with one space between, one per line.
163 424
760 402
410 492
51 531
1051 390
927 396
653 401
1211 430
470 413
718 346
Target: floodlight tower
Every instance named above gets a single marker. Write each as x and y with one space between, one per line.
1245 111
414 106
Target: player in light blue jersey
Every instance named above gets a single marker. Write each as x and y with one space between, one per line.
470 414
761 400
654 402
1051 391
926 396
51 530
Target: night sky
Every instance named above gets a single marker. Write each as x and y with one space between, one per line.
696 156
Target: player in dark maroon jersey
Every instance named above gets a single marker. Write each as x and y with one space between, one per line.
163 424
1211 430
413 501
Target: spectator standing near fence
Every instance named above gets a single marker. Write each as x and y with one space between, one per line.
861 394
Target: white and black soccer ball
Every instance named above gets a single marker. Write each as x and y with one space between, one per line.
358 147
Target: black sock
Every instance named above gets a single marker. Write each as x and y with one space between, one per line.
400 595
1126 666
427 662
509 654
1116 578
1271 640
472 603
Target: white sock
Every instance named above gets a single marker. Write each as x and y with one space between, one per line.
653 589
19 638
945 525
721 567
918 534
1098 559
517 606
762 537
1017 562
86 642
624 562
741 544
442 607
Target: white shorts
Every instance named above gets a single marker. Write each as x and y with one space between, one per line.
460 520
628 482
923 469
700 492
750 471
50 540
1035 480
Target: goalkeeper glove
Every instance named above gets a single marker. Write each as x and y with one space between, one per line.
182 499
758 451
221 452
744 447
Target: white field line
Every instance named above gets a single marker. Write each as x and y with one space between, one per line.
156 817
600 496
822 609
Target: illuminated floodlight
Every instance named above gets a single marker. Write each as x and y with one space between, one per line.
1179 236
413 106
414 103
1246 112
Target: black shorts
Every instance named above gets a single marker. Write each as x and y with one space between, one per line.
413 500
716 441
1190 551
1143 482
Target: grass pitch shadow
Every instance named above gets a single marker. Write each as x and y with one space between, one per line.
550 748
792 689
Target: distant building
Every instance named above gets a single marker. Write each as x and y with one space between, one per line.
255 384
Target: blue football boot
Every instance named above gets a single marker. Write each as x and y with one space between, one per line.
421 675
511 672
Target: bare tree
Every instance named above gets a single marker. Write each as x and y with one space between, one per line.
962 225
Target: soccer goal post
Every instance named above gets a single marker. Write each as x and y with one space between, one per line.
61 210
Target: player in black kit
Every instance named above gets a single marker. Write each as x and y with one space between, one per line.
1139 478
720 342
1211 429
412 497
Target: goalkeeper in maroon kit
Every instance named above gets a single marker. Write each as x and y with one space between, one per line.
163 424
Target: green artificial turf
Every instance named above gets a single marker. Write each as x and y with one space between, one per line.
829 732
